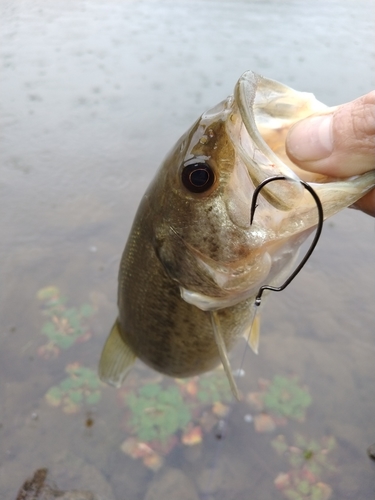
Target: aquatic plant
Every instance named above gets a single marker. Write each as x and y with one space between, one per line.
159 416
64 326
306 453
157 413
80 388
213 388
278 400
285 397
154 416
309 461
297 485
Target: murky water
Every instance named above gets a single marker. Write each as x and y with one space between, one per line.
93 94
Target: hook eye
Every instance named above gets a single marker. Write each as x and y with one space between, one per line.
313 243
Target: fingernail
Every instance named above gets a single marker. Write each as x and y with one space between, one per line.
311 138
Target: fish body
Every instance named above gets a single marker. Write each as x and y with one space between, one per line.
193 262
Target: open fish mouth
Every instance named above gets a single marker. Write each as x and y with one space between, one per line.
268 109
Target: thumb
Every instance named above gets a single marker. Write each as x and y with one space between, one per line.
340 143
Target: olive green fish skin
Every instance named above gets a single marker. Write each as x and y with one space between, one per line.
164 331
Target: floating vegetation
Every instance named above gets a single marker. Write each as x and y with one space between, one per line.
64 326
159 417
80 388
286 397
309 460
296 485
213 388
310 454
157 413
277 401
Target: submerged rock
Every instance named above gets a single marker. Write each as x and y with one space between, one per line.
36 488
171 484
371 451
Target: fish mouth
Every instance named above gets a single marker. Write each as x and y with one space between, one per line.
268 109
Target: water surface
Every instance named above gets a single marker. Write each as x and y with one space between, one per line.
93 94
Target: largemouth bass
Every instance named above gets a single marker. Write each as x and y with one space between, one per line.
193 262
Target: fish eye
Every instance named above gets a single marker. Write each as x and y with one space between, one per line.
197 177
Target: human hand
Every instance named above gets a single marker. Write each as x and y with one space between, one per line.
340 143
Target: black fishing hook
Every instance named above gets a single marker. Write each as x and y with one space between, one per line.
313 244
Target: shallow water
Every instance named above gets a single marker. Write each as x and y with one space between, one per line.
93 94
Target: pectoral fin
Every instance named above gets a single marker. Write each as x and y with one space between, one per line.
252 336
116 359
223 354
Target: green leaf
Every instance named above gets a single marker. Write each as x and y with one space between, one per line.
86 310
50 330
67 384
149 390
279 445
304 487
316 493
93 398
292 495
64 342
76 396
55 392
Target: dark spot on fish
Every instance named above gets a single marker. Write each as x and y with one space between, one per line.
214 246
242 251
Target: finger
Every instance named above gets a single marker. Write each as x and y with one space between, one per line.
340 143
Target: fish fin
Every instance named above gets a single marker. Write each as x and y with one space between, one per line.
223 354
252 334
116 359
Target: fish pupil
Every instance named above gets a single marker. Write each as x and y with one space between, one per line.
197 177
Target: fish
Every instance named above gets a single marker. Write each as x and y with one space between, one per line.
194 262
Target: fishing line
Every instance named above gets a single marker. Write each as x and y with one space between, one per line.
306 257
223 422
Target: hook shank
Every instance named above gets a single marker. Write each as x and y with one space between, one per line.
313 243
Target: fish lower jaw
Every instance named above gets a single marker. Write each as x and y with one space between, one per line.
207 303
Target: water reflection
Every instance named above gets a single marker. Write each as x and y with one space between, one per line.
93 96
